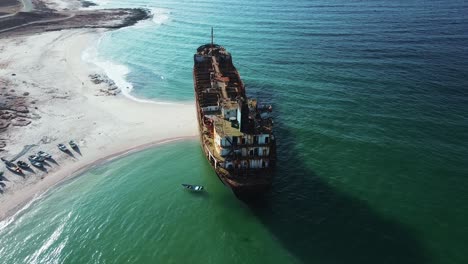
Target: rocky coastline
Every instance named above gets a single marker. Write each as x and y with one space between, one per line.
44 19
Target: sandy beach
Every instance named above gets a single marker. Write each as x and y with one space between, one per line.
50 98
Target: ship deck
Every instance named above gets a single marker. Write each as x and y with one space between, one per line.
225 128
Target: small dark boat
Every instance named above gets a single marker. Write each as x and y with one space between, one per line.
22 164
11 166
73 144
44 155
196 188
35 161
62 147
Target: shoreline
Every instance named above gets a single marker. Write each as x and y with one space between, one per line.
60 102
54 15
86 167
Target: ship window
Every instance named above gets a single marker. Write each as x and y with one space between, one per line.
234 140
263 164
251 152
266 140
255 140
256 151
243 140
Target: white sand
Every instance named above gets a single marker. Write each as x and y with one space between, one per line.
50 68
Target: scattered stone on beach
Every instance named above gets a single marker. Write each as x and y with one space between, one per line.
4 125
60 97
26 93
6 115
13 111
20 109
20 122
23 115
111 88
96 78
47 139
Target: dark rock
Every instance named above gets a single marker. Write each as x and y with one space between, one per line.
4 125
7 116
20 122
25 93
85 3
20 108
22 115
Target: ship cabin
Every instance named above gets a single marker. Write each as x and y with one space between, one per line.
236 132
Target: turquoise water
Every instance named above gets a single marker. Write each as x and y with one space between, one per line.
119 213
370 99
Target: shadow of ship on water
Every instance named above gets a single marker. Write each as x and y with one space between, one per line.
319 224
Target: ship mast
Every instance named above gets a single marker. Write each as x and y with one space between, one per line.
211 37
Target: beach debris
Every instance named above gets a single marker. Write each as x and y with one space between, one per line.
2 141
47 139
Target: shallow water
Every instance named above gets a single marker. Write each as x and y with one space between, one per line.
370 101
134 209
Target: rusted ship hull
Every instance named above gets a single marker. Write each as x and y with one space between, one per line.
235 133
243 187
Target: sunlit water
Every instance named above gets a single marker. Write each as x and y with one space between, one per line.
370 101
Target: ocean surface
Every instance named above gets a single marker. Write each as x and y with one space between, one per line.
371 112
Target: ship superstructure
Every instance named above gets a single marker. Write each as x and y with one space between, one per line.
236 132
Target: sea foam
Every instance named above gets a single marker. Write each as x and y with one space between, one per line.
9 220
117 72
